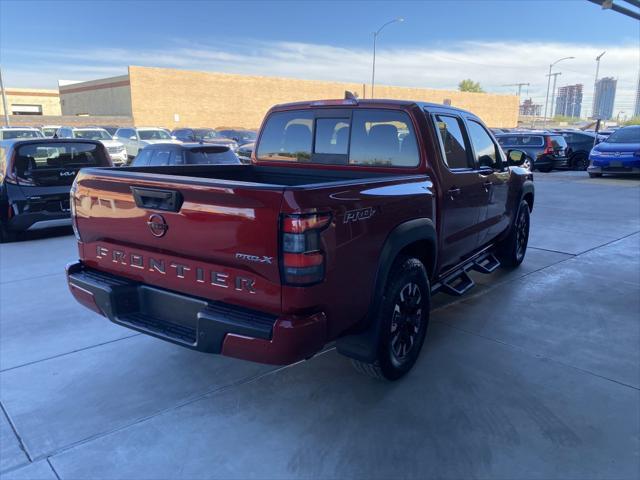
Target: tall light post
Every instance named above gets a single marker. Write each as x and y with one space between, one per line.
553 90
546 100
595 84
375 37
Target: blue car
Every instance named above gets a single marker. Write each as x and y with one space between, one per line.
619 153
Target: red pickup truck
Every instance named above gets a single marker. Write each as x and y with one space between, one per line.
350 216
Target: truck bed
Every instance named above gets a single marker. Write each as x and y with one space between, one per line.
248 175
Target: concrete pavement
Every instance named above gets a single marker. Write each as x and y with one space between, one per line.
534 374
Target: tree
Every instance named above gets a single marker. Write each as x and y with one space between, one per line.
469 85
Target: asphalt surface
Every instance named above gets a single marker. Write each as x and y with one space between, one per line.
533 374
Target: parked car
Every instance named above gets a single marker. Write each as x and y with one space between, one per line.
544 150
185 154
136 138
619 153
579 144
116 149
245 151
9 133
204 135
242 137
112 129
35 180
340 231
49 131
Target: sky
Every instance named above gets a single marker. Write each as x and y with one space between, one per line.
439 43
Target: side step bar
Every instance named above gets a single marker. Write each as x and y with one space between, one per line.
459 282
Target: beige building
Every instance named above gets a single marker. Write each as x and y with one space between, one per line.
179 98
31 102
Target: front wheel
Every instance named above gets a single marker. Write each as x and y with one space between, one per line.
511 250
403 317
580 162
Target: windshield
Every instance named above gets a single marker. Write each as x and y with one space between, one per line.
154 135
625 135
92 134
206 134
9 134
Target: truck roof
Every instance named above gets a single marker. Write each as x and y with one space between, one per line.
365 102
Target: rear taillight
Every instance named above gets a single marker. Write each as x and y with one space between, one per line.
72 207
303 261
548 149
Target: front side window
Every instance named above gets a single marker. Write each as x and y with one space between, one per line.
453 142
485 149
287 137
382 138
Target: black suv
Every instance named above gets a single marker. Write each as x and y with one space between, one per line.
579 144
35 180
545 150
185 154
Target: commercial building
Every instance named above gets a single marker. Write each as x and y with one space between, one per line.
528 108
605 96
174 98
31 101
569 100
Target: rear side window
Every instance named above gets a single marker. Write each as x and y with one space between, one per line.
287 136
453 142
383 138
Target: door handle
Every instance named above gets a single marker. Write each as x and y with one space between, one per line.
453 192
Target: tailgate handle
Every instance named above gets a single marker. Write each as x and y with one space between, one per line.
154 199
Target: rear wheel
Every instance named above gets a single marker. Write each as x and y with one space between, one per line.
580 162
511 250
403 317
595 175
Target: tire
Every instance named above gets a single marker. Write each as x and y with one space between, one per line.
511 250
403 317
580 163
6 235
595 175
545 169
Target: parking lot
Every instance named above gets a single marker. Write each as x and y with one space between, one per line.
533 374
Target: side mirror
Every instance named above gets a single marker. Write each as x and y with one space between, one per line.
133 137
173 137
516 158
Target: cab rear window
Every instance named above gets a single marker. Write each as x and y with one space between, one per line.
365 137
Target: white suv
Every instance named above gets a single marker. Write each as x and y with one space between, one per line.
9 133
116 150
135 139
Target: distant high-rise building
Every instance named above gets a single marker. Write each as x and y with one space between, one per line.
569 100
636 110
530 108
605 96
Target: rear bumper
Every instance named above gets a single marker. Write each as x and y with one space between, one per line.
39 221
195 323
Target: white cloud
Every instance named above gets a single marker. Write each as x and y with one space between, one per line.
493 64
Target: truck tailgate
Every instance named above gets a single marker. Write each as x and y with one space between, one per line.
218 241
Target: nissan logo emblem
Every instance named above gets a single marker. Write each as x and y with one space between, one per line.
157 225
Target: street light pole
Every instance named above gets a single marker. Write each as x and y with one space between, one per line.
4 101
595 84
553 90
375 37
546 100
